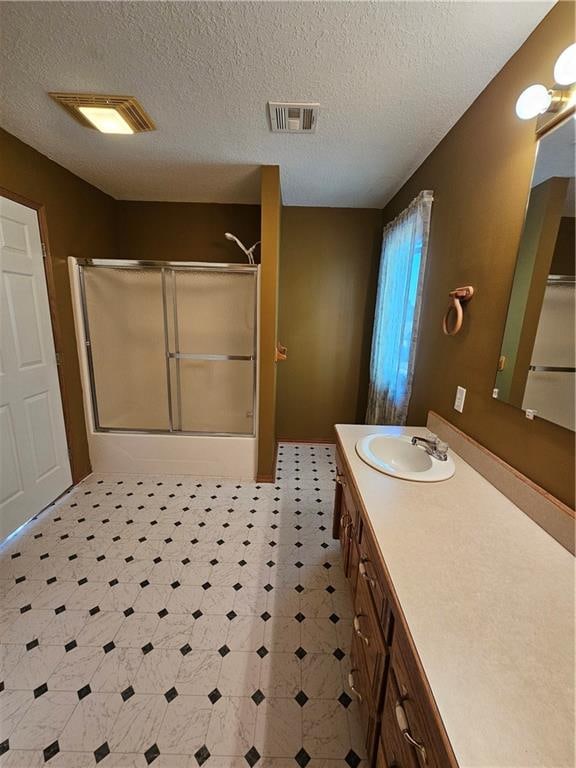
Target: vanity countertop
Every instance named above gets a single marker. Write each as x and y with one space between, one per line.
489 600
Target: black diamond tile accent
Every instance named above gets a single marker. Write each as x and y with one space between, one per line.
32 644
214 695
224 651
128 612
4 747
330 589
70 646
113 582
334 618
270 563
206 585
252 756
231 615
242 562
109 647
82 581
202 755
327 566
60 609
258 697
51 580
262 651
300 652
300 617
41 690
20 579
144 583
299 564
344 699
265 616
268 587
352 759
84 691
51 750
214 561
163 613
186 561
301 698
102 751
197 613
1 686
185 649
94 611
147 648
302 758
237 586
175 584
127 693
339 654
171 694
152 753
25 608
299 588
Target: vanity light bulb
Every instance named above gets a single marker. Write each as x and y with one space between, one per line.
565 67
533 101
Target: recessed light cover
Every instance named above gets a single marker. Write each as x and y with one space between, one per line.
106 119
107 113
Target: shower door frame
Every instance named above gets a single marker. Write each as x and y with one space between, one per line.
172 267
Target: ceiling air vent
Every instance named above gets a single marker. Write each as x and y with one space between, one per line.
286 117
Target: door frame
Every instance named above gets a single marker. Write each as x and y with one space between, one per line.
52 303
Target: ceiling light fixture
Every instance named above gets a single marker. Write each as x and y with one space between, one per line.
538 99
107 114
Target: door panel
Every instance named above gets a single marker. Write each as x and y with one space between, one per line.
34 462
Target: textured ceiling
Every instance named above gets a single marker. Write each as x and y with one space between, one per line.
391 77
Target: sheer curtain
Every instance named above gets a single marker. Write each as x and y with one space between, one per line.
396 320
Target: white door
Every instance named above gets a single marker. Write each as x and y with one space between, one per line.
34 463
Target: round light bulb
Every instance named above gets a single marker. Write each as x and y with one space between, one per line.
565 67
533 101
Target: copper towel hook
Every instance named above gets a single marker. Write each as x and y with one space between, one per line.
458 297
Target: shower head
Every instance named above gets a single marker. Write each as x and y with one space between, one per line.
248 251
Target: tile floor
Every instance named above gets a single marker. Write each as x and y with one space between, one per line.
178 622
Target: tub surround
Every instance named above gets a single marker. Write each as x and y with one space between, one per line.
487 597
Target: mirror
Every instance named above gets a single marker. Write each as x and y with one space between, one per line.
536 370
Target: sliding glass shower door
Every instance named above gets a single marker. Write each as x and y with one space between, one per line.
171 347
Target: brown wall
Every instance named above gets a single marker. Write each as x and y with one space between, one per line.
480 174
80 222
328 273
271 209
185 231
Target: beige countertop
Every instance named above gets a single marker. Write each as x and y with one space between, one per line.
489 600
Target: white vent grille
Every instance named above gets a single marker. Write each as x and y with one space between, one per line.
293 118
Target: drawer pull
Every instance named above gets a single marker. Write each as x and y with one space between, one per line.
351 685
358 630
340 479
364 573
402 721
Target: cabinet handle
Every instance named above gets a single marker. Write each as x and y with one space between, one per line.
354 690
402 721
364 573
340 479
358 630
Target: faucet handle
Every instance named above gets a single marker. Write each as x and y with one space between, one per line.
441 446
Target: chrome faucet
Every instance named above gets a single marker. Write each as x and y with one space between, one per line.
434 447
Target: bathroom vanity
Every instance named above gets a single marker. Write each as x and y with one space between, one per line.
463 629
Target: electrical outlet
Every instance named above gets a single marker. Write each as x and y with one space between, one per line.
460 397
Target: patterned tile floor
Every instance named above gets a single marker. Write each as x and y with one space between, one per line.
178 622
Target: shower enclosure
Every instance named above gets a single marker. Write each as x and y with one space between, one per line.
169 349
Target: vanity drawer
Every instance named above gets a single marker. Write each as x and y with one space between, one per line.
368 635
417 708
370 572
359 687
393 750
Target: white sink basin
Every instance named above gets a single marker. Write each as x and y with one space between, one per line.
396 456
